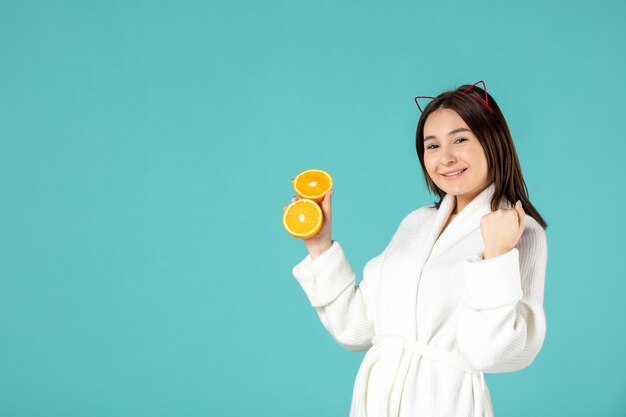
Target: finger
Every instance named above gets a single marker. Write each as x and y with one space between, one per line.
327 202
293 199
520 212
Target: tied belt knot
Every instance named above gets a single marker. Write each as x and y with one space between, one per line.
394 368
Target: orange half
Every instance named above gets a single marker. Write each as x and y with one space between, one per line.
313 184
303 218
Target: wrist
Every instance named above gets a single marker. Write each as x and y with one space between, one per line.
493 252
317 250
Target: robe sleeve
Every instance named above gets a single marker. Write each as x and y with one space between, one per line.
345 309
501 323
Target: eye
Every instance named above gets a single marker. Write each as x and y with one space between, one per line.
458 139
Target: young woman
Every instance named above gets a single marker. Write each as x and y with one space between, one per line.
458 291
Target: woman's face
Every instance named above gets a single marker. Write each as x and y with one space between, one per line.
449 146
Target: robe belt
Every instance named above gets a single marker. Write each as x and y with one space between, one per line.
394 371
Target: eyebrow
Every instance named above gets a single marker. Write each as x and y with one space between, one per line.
460 129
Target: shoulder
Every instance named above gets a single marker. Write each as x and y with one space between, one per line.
532 229
533 237
417 218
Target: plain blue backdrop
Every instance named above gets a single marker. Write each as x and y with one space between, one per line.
146 153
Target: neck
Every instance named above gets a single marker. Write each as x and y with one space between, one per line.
458 206
455 209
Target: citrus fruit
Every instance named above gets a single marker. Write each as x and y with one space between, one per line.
303 218
313 184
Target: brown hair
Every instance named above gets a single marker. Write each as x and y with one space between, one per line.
495 138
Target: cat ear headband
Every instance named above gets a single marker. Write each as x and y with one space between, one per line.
484 102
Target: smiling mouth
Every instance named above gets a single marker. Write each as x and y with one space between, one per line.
455 175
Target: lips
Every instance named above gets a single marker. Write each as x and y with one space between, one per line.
461 171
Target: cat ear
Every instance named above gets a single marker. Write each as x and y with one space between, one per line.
418 105
483 101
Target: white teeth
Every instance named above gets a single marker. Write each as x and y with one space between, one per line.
453 173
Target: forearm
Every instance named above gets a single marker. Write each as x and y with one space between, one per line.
347 320
501 321
502 339
330 284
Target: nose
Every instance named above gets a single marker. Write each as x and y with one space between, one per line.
447 157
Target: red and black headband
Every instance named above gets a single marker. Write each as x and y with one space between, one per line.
484 102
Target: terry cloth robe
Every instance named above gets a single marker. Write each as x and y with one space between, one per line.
433 315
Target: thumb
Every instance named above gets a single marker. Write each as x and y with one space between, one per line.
520 212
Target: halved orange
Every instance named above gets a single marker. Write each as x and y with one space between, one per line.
313 184
303 218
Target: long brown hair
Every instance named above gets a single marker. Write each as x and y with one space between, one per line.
495 138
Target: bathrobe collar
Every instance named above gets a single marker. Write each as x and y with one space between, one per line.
464 223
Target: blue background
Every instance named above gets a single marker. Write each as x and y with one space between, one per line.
146 153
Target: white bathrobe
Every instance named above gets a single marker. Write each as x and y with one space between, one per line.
432 314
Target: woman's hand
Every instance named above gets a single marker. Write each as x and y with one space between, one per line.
501 229
318 244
